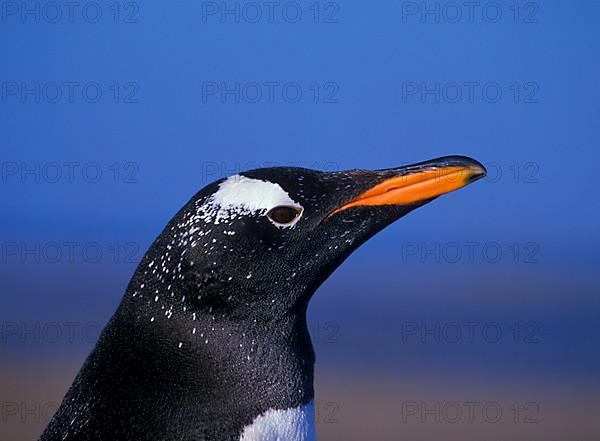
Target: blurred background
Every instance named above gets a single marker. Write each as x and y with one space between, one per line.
473 318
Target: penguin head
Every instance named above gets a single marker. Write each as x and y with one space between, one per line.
261 242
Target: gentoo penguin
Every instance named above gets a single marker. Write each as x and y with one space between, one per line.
210 341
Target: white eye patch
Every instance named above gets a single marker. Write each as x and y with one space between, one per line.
239 195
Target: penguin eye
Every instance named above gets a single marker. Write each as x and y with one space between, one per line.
284 214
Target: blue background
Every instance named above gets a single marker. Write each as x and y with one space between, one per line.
170 138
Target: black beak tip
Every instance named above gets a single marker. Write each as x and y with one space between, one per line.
477 170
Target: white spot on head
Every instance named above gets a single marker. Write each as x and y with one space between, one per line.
239 195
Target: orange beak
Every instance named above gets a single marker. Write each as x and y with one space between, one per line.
420 183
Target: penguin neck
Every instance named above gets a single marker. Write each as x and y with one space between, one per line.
252 359
239 379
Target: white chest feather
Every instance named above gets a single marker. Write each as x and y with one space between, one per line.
283 425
